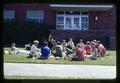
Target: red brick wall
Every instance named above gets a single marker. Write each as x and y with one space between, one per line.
106 20
50 17
20 11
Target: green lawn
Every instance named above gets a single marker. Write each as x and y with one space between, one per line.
107 60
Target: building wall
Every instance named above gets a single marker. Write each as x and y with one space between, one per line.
106 20
21 9
105 26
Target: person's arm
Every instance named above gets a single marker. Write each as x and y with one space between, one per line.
50 36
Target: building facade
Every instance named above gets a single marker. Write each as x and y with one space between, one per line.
71 20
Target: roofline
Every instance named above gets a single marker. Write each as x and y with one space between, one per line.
90 6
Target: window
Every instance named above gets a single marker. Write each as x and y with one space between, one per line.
72 20
76 22
60 21
9 14
35 15
84 22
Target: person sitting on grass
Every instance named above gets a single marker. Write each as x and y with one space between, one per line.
70 50
27 46
45 51
14 50
57 51
64 45
80 51
34 51
88 49
101 49
95 52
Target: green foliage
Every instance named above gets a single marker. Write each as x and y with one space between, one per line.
24 32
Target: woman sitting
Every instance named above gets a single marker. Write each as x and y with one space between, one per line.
88 49
80 51
57 51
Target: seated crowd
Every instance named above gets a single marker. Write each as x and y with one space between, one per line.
65 50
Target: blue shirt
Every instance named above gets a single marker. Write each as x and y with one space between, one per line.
45 51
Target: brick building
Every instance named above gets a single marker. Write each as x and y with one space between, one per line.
85 21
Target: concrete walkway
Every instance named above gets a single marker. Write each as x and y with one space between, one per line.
57 70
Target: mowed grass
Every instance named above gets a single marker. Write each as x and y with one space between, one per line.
109 60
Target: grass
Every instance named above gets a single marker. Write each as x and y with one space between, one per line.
107 60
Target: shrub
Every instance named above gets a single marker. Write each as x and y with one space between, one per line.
24 32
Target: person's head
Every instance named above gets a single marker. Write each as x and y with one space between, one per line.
81 40
98 42
95 40
51 39
88 42
45 43
36 42
13 44
64 40
58 43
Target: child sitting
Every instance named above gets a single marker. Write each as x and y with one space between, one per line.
14 50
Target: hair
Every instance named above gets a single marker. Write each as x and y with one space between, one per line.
88 42
45 43
58 43
13 44
81 40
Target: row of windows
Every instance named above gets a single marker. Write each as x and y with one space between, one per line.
30 15
66 20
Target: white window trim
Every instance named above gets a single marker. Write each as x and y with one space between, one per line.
72 16
34 17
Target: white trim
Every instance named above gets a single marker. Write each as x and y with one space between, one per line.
95 6
72 22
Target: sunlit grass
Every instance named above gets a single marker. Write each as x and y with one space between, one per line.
107 60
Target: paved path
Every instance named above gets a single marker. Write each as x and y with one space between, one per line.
56 70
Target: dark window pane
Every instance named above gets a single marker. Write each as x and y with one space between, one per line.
60 13
84 19
84 13
84 25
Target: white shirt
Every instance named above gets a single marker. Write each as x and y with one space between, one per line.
34 48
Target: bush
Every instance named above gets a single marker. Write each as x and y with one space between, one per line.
24 32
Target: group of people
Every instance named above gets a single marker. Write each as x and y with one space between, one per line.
66 50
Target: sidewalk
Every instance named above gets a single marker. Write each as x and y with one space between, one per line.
57 70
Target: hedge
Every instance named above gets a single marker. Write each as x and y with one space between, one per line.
24 32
